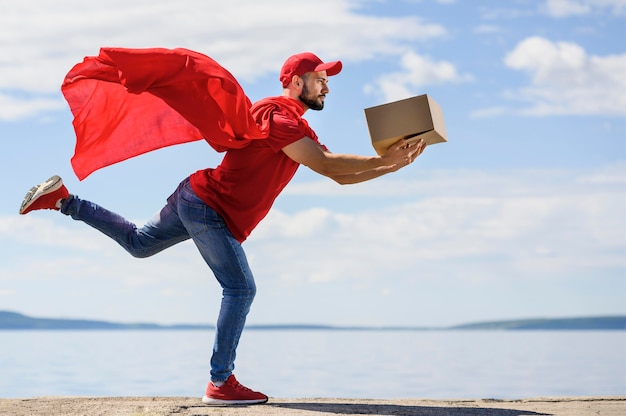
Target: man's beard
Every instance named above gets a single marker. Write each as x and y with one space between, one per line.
312 103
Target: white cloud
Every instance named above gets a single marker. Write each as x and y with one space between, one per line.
562 8
13 108
417 71
566 8
566 80
301 225
548 223
33 230
41 40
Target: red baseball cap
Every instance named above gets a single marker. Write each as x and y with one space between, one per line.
305 62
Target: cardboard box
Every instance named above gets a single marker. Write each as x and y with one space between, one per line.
410 119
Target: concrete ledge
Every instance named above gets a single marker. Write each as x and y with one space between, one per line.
185 406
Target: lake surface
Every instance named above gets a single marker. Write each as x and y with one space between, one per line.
318 363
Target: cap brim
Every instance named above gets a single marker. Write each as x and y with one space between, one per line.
331 68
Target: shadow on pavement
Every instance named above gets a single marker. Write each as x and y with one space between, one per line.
400 410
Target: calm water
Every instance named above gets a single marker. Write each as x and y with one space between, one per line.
291 364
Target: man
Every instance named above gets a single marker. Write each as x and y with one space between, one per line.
219 207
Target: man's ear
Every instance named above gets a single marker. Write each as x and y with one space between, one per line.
297 81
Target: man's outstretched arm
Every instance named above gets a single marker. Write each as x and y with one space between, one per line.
348 169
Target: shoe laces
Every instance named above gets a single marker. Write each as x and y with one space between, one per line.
235 384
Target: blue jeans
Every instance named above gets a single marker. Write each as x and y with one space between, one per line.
186 216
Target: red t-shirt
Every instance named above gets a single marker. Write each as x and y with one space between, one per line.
244 186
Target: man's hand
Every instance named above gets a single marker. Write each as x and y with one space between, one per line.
402 153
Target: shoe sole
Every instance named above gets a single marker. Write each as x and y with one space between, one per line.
218 402
36 191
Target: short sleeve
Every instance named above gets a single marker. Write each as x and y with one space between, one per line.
284 130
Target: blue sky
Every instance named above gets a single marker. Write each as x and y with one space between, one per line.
520 214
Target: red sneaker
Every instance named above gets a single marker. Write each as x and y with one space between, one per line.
232 392
47 195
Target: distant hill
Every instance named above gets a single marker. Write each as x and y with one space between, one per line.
13 320
17 321
590 323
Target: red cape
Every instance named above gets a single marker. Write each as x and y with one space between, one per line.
127 102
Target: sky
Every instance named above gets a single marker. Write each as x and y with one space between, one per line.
519 215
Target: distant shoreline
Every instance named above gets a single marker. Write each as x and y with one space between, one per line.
16 321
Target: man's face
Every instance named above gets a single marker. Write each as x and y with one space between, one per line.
314 89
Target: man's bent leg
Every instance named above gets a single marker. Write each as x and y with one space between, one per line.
162 231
